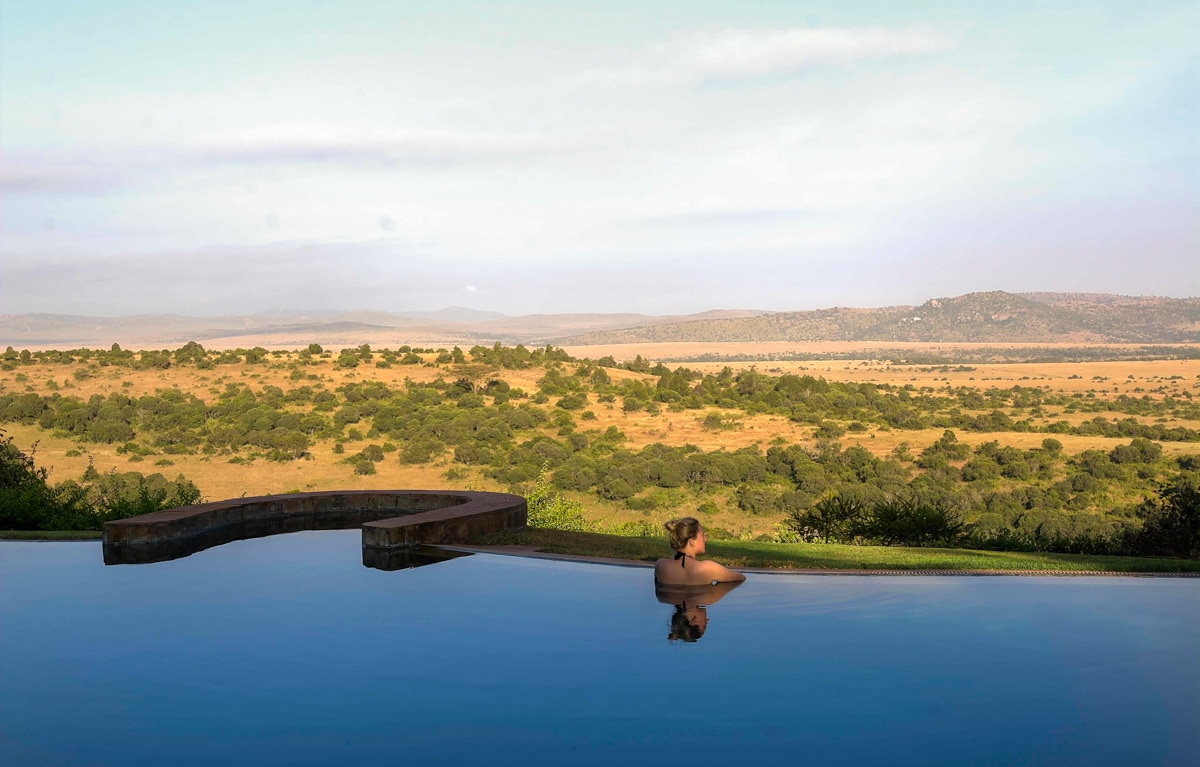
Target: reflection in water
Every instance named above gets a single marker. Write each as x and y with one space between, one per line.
164 551
406 559
690 620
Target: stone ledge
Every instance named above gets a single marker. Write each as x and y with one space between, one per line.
390 519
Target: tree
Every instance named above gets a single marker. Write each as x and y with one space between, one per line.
26 500
1172 520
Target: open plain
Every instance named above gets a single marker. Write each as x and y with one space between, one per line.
1101 385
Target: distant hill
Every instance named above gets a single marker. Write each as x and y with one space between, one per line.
994 317
454 325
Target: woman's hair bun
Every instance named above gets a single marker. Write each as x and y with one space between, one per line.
681 530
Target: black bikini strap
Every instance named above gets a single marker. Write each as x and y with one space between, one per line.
681 556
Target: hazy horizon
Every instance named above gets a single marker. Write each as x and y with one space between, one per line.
225 158
501 314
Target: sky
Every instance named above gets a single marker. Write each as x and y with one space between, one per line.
547 157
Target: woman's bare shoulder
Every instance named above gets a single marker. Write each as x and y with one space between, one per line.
719 573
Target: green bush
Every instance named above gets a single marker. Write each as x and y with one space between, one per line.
573 401
421 450
363 466
118 495
27 502
912 521
834 517
552 511
1171 522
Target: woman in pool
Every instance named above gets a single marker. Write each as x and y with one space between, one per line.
687 538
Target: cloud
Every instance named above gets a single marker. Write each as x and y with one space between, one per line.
352 147
97 169
32 176
732 56
721 218
286 274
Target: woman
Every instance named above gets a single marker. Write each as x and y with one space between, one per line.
687 538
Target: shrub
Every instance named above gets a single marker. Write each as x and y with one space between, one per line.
1138 451
363 466
911 520
834 517
1171 526
756 500
372 453
421 450
573 401
549 510
118 495
27 502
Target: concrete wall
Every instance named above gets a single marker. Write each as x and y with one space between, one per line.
390 519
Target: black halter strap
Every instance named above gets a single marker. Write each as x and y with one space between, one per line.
681 556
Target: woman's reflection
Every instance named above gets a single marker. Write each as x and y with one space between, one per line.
690 620
690 589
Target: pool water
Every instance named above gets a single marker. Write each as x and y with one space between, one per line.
287 650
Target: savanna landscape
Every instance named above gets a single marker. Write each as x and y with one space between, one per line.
599 383
1051 447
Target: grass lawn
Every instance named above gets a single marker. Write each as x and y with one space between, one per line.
790 556
801 556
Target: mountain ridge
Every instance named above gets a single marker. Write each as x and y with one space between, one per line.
985 317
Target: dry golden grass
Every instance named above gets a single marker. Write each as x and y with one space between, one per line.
204 383
217 478
1133 378
685 428
883 443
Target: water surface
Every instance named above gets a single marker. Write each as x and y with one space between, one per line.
287 650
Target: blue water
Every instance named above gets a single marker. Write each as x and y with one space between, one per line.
287 650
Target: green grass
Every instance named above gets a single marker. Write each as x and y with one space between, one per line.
816 556
788 556
51 535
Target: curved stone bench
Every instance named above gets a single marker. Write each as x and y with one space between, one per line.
390 520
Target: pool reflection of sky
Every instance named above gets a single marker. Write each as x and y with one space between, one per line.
287 650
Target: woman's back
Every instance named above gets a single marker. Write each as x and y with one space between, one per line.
689 571
687 537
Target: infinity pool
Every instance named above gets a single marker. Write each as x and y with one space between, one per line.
288 651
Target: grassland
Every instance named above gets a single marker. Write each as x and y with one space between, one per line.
802 556
223 474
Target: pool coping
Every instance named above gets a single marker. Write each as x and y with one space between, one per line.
388 519
531 552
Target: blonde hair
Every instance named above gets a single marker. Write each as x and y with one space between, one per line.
682 530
